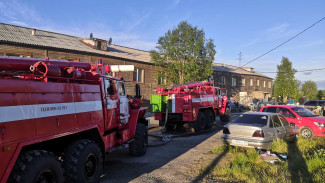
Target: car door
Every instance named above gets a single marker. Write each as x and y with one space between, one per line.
291 118
279 130
286 125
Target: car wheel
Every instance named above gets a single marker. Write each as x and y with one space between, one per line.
306 133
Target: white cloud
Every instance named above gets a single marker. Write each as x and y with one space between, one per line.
19 23
273 33
12 10
320 85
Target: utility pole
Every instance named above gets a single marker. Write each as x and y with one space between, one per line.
240 58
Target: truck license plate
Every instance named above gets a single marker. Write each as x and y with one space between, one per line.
241 142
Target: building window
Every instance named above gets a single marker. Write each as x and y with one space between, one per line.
138 75
258 82
161 78
251 82
223 80
69 59
22 55
243 82
264 84
233 81
270 84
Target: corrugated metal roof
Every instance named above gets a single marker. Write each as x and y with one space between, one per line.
23 35
237 70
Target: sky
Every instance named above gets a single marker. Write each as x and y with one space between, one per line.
252 27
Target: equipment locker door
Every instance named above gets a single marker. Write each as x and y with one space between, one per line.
124 102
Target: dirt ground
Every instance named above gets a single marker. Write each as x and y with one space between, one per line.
168 163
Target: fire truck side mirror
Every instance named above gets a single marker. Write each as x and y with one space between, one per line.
137 91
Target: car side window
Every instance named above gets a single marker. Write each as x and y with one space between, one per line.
276 122
284 121
321 103
270 109
312 102
286 113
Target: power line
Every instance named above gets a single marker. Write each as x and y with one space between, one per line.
285 42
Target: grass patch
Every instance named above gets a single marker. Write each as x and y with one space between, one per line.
305 163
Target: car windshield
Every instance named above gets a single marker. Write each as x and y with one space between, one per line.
252 120
303 112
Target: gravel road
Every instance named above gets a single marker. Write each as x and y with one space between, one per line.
167 163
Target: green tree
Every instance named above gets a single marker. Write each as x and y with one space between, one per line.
321 94
185 54
309 88
298 92
285 84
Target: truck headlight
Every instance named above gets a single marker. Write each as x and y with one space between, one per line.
319 124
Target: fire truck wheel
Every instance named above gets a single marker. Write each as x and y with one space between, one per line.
138 146
82 162
199 124
227 116
209 119
37 166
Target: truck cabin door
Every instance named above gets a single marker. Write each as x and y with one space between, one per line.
124 102
218 97
111 103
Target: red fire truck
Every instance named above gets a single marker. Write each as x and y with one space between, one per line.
195 103
60 118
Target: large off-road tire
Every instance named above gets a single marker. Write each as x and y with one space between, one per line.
306 132
37 166
199 124
82 161
138 147
209 119
227 116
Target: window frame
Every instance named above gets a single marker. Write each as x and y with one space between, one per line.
233 81
161 78
270 84
251 82
257 82
243 82
18 54
136 69
223 80
70 59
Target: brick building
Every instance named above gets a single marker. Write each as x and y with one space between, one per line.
28 42
242 83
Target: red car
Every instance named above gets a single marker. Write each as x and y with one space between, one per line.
309 123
